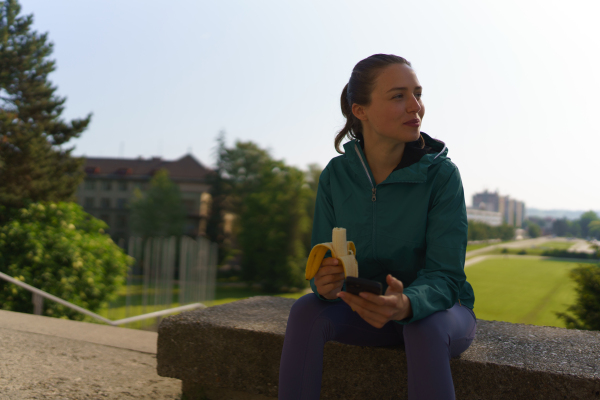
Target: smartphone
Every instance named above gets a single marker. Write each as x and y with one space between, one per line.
356 285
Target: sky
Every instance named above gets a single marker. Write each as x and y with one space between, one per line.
511 87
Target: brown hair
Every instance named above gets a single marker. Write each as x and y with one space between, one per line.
358 90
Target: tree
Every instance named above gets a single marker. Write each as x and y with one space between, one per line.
34 166
560 227
272 225
58 248
270 200
159 212
594 229
221 191
534 229
585 313
482 231
312 176
235 177
585 219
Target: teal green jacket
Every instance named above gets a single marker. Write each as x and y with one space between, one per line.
413 225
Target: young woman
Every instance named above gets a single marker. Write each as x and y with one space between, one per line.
402 203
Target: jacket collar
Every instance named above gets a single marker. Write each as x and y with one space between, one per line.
415 173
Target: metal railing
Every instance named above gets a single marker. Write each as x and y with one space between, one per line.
38 297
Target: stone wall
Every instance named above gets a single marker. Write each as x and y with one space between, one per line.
237 347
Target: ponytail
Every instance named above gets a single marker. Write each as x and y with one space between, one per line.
353 126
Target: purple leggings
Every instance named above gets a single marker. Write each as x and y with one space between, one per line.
429 343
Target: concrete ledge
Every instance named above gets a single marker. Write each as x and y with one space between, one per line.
237 347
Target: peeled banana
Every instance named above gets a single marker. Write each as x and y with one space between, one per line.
340 248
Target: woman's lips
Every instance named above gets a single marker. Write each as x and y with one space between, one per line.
413 122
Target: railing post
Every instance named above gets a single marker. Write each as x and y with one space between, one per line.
38 304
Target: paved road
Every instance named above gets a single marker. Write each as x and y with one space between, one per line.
581 246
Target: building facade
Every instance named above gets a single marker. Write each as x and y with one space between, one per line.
109 185
492 218
512 211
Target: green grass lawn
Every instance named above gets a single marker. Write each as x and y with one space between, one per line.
223 294
522 291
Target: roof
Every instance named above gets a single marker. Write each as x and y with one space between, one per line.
185 168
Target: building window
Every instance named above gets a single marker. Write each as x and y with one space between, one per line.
121 203
90 184
121 221
88 202
106 185
123 186
105 202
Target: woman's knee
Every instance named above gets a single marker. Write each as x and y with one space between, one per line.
305 307
430 328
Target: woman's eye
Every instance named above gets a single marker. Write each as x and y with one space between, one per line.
418 95
398 96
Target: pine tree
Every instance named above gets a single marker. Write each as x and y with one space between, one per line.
34 165
220 193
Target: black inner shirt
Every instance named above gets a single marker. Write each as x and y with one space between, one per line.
412 153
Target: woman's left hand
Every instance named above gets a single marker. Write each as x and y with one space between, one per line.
379 310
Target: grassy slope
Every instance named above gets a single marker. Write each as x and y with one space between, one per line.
523 291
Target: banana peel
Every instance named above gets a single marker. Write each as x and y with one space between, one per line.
343 250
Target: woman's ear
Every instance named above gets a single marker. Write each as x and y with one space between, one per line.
359 112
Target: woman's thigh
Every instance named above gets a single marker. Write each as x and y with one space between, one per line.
336 321
454 327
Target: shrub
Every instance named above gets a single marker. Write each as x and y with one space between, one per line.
585 313
562 253
58 248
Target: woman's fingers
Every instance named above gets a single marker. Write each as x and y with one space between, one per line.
329 279
383 310
371 313
384 301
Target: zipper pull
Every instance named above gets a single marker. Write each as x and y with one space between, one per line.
373 198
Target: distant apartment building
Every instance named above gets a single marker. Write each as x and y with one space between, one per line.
511 211
109 185
492 218
486 201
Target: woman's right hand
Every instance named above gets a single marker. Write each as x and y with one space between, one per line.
329 279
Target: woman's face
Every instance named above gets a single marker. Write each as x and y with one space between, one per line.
396 110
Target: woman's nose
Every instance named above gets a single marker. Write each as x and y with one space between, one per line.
413 105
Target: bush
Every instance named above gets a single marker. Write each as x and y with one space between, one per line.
585 313
58 248
566 254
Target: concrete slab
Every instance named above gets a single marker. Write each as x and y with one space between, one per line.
35 366
124 338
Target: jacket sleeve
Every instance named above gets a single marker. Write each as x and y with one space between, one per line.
323 221
438 284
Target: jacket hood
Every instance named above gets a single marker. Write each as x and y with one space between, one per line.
415 173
